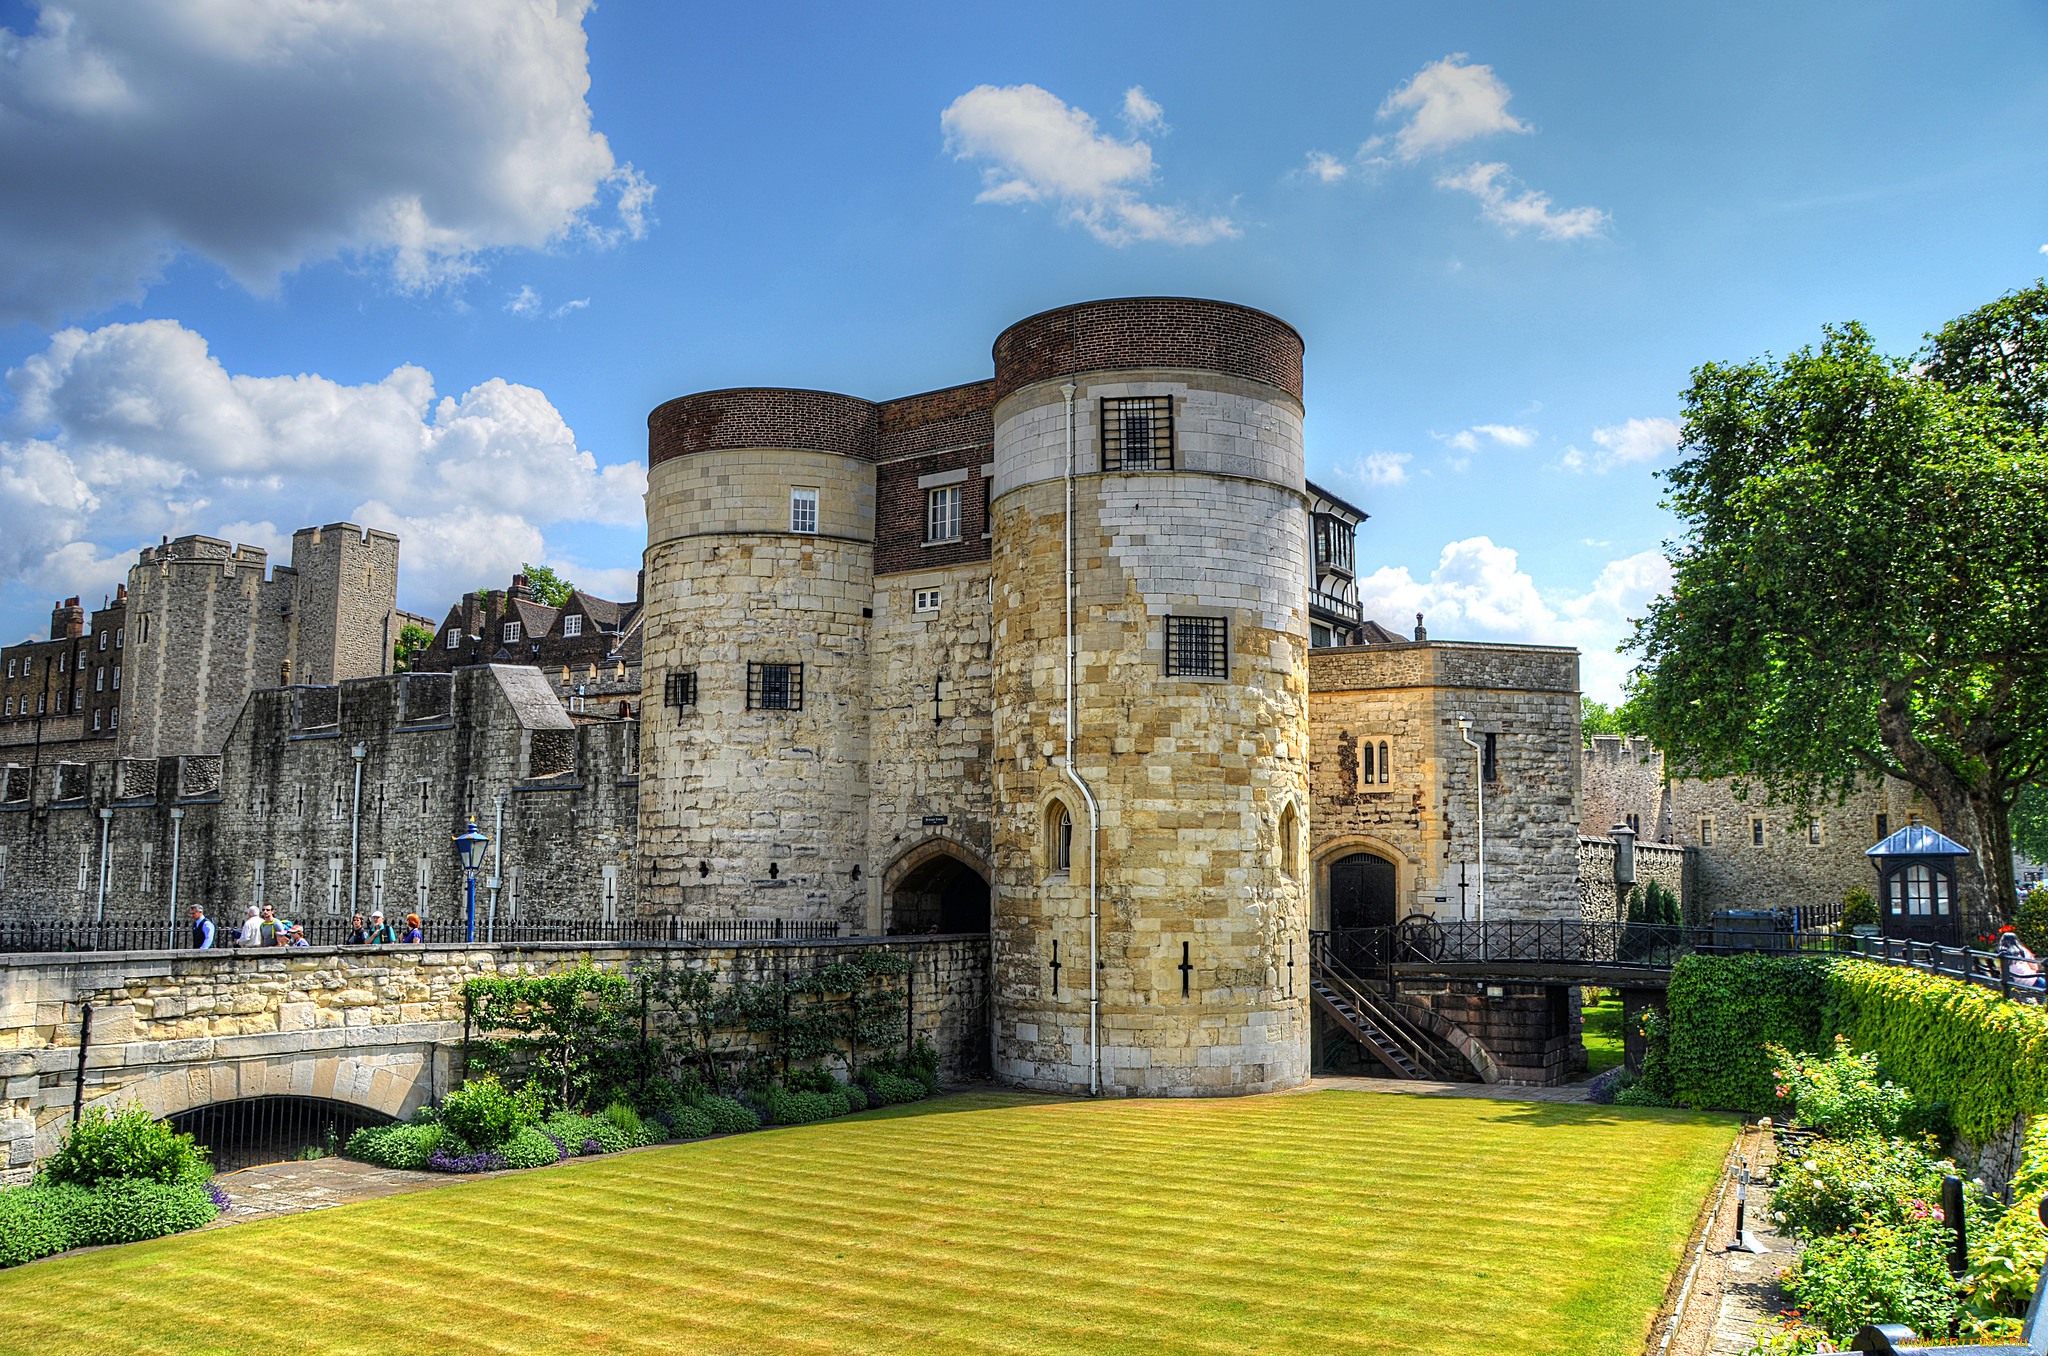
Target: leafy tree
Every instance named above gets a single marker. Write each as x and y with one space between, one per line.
548 587
411 640
2029 818
1859 591
1600 718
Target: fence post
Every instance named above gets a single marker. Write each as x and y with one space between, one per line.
2004 975
84 1044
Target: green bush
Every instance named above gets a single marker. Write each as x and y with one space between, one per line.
888 1088
1640 1093
1885 1273
810 1080
43 1218
727 1116
130 1144
667 1098
1843 1095
1859 908
1723 1011
484 1113
856 1096
407 1145
622 1117
691 1123
784 1107
1834 1185
2032 922
578 1132
1984 1056
530 1148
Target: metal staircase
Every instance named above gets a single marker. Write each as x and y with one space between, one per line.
1377 1023
1362 1029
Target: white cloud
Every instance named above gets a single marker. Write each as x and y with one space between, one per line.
1526 210
1142 113
525 301
1325 168
1041 150
129 432
263 136
1628 443
1506 435
1378 468
1479 591
568 306
1448 103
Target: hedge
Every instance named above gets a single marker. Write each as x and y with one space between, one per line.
43 1218
1984 1056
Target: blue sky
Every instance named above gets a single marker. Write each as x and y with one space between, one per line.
270 264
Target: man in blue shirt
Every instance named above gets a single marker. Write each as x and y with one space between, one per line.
202 928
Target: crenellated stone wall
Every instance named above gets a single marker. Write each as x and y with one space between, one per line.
380 1028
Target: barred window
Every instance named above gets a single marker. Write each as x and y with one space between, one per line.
942 514
775 687
1197 647
680 688
1137 433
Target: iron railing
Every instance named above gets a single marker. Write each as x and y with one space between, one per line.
328 930
255 1130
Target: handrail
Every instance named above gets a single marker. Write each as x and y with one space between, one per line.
1396 1027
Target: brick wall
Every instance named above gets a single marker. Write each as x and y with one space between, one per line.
901 504
1135 332
815 421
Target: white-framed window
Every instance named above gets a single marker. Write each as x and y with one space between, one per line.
453 640
511 632
10 706
62 660
120 634
10 667
333 884
611 894
942 514
114 715
84 867
803 510
99 679
572 627
926 600
103 640
256 883
377 865
425 887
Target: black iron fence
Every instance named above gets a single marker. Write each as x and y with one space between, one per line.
273 1129
327 930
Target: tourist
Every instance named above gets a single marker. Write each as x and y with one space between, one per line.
358 932
381 932
413 931
267 931
252 929
2020 963
202 928
295 936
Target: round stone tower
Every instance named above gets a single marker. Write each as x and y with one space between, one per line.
1190 698
759 578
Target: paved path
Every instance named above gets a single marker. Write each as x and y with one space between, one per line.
290 1188
1501 1092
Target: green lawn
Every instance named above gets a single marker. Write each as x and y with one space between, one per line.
1602 1032
987 1222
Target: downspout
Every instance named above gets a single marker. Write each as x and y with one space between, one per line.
497 871
1479 796
355 826
1074 775
177 839
99 914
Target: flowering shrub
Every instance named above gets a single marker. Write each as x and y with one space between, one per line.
1841 1095
1827 1186
485 1160
1884 1273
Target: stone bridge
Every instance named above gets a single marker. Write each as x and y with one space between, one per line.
378 1028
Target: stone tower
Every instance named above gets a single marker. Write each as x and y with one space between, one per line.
208 623
759 588
1190 679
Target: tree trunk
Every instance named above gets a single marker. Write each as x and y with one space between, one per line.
1995 816
1954 800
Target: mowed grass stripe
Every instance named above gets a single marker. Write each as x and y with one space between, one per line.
995 1223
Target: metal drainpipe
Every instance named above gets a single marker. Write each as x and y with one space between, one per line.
497 871
355 826
177 839
99 914
1479 796
1074 775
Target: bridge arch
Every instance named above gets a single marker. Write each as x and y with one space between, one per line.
935 885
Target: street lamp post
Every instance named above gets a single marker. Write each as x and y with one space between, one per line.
469 847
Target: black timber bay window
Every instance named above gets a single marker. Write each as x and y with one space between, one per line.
680 688
1197 647
775 687
1137 433
1334 543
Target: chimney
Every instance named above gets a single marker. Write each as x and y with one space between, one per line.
67 620
520 588
640 587
1420 634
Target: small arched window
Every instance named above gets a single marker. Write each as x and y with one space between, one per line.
1060 829
1365 764
1290 842
1386 769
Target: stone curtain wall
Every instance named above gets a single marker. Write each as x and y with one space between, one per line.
1668 865
1623 777
1787 869
381 1029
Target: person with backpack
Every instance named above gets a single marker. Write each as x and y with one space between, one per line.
202 928
269 932
358 932
381 932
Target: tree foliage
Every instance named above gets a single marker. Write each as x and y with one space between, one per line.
548 587
1600 718
1859 590
411 640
